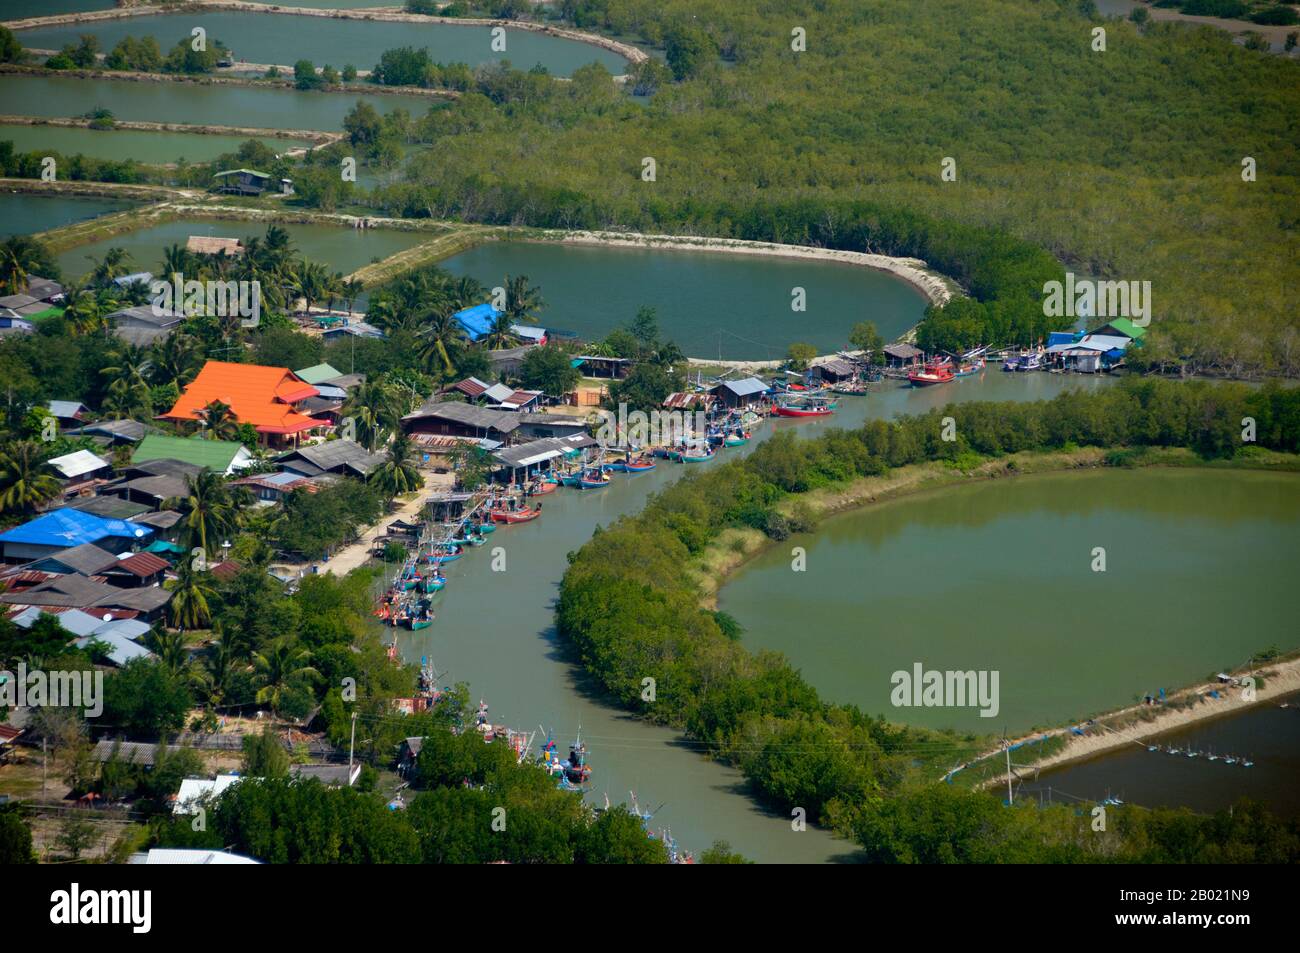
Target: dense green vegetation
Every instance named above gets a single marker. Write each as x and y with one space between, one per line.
1126 165
628 612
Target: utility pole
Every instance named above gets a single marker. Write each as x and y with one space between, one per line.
353 743
1010 796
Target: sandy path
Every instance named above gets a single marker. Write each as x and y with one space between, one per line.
358 554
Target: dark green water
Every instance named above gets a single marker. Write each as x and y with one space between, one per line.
192 103
274 38
21 9
997 576
494 630
711 303
1268 735
341 249
22 213
151 147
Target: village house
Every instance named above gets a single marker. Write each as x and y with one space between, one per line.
741 393
80 471
344 457
60 529
220 456
142 325
251 182
266 398
455 419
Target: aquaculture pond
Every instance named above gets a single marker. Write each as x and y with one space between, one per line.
23 213
712 304
267 107
999 576
286 38
340 249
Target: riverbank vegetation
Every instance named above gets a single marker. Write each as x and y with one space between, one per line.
629 612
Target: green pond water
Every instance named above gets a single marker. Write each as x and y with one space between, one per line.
21 9
997 576
713 304
341 249
495 631
22 213
151 147
279 38
193 103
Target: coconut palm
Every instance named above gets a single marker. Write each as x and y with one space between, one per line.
25 483
281 666
211 510
176 260
399 473
351 290
88 312
172 649
523 300
501 335
441 334
219 422
13 271
221 664
115 263
190 608
176 359
371 408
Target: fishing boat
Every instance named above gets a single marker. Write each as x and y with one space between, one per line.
802 409
967 368
639 464
615 466
420 616
737 439
593 478
433 583
522 514
697 455
1023 362
571 479
932 372
548 485
487 526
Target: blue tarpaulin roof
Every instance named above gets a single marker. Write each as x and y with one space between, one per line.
1062 337
477 321
69 527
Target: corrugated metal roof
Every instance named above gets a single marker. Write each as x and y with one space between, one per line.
78 463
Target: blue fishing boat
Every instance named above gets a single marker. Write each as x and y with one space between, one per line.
593 479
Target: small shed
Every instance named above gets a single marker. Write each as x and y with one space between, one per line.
903 355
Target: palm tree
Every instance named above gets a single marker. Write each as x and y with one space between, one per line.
210 510
351 290
219 422
13 271
176 358
399 473
114 264
500 335
523 300
89 312
172 649
24 483
189 608
370 407
220 666
283 664
176 260
440 334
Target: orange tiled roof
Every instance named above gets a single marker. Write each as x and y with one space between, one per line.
257 395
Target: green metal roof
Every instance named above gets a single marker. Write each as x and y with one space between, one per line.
213 454
317 373
1127 328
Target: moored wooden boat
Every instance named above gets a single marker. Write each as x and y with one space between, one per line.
933 372
521 515
796 410
639 465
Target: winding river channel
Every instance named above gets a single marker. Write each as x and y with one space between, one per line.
494 630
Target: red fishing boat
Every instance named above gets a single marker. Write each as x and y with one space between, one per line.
933 372
521 515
